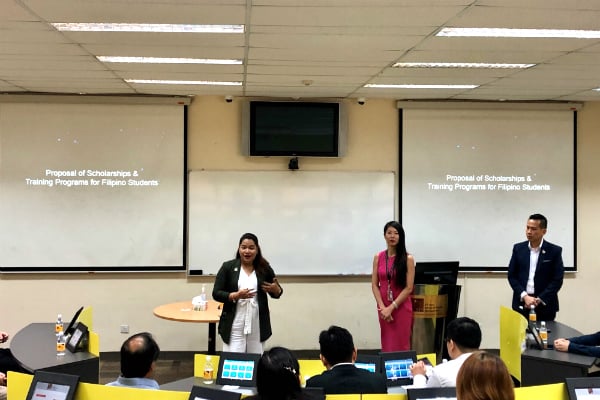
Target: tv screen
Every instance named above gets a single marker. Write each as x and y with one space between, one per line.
294 128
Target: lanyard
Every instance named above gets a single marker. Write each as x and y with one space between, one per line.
388 274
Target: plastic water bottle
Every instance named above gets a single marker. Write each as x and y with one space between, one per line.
204 302
544 334
207 374
60 343
59 324
532 315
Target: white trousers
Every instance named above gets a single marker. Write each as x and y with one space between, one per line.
245 331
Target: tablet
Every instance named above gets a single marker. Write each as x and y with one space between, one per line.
369 362
438 393
212 393
396 367
69 329
583 388
237 369
52 386
77 338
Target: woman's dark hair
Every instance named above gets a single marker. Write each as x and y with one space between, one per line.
400 267
278 375
259 263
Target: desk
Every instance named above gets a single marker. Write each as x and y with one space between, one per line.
183 311
541 367
34 347
186 384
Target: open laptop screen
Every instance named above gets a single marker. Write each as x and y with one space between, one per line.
212 393
586 388
438 393
369 362
52 386
396 366
237 369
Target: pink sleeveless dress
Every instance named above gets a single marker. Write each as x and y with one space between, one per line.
395 335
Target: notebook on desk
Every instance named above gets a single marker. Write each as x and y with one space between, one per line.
396 367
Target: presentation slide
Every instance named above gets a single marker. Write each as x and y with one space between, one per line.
471 178
91 187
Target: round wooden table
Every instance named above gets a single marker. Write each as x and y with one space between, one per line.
183 311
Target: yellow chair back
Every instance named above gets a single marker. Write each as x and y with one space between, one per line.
200 361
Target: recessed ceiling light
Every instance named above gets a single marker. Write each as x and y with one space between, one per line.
380 86
172 82
160 28
460 65
519 33
163 60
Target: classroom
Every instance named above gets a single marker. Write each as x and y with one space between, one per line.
373 142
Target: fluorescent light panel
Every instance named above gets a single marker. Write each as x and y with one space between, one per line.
162 60
519 33
171 82
380 86
154 28
460 65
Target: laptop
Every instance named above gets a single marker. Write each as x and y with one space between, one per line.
71 326
212 393
52 386
583 388
369 362
237 369
396 367
431 393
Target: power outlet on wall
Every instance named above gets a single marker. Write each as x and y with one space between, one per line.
124 328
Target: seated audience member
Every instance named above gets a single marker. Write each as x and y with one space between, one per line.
484 376
7 363
138 361
342 376
278 376
586 345
463 337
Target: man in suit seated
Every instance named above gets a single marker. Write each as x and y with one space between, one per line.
138 361
342 376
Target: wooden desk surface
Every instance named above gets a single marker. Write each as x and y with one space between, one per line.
183 311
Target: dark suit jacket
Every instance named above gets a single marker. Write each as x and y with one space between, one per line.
348 379
547 280
227 282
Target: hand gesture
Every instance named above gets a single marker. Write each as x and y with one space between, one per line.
272 288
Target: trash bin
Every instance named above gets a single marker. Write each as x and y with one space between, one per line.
434 306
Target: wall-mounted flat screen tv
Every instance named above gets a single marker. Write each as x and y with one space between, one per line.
292 128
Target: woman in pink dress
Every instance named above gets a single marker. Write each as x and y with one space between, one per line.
392 284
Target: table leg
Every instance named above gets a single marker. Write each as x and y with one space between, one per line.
212 338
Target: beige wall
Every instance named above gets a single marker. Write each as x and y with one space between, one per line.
309 304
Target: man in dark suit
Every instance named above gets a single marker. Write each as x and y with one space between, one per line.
342 376
535 272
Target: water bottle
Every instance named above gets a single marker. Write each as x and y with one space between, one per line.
204 302
61 343
207 374
532 315
544 334
59 324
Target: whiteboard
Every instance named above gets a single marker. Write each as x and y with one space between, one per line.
307 222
